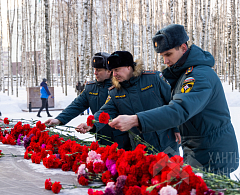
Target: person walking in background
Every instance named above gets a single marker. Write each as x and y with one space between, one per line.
45 93
79 87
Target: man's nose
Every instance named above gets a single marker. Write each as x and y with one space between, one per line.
165 60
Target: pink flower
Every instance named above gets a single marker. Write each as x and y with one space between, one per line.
168 190
92 156
43 146
82 170
110 185
199 174
113 170
193 192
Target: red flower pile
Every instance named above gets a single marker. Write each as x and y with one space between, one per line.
124 172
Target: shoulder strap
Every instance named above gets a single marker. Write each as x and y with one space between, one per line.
149 72
110 88
90 82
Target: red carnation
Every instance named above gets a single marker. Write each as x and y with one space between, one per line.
98 167
104 118
38 159
56 187
90 120
106 177
94 145
83 181
6 121
48 184
133 190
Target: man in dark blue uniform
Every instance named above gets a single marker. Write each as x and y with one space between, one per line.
94 96
198 105
135 90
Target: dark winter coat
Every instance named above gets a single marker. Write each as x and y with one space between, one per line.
94 96
199 108
44 90
144 91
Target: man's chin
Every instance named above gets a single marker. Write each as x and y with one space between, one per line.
99 80
119 80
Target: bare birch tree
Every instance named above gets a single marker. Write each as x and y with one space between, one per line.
10 33
203 15
233 45
35 46
17 54
2 87
46 3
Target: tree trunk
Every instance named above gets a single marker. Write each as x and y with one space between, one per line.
17 55
233 45
35 47
203 25
140 29
2 87
47 42
10 31
91 38
185 16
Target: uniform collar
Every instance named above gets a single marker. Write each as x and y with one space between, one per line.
105 82
173 73
130 82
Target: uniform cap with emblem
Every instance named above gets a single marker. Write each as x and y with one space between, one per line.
120 59
169 37
99 60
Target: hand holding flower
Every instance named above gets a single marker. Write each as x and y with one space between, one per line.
124 122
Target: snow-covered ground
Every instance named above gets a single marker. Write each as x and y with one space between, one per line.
12 107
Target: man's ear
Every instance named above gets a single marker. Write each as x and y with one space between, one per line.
184 47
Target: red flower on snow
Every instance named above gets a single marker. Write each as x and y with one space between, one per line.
83 181
104 118
48 184
6 121
90 120
56 187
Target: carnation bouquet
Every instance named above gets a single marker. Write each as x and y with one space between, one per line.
123 172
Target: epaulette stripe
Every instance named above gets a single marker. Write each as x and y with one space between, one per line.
110 88
90 82
149 72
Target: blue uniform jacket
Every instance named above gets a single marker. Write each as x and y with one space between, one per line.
144 91
199 108
44 90
94 96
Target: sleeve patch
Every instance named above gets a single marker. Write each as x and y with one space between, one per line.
108 99
189 70
187 85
